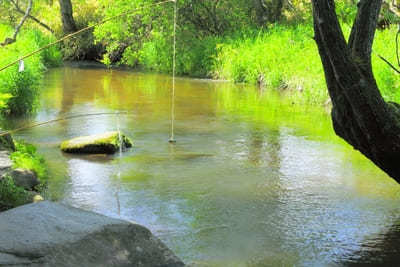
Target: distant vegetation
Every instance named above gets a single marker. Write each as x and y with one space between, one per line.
264 42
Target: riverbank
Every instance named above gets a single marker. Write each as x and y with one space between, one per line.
20 83
282 57
23 174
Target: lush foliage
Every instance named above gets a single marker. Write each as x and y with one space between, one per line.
280 55
283 57
11 195
268 42
18 90
26 157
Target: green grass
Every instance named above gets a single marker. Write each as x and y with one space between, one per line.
19 90
26 157
285 57
11 196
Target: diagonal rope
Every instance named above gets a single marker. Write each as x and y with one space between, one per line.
33 125
128 13
172 139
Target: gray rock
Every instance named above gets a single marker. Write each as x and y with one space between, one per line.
5 163
24 178
51 234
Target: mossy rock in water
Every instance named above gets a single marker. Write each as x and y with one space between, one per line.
106 143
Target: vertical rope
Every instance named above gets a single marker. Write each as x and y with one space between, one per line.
172 139
119 166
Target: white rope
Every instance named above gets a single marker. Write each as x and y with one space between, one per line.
119 166
172 139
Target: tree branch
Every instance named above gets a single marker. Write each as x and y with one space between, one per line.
11 40
363 32
19 10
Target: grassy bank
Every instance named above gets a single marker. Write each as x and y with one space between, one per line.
282 57
24 157
18 90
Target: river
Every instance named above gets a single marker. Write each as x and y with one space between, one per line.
253 180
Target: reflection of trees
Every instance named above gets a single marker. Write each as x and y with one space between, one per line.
264 144
68 92
256 145
383 250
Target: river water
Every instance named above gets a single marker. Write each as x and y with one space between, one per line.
253 180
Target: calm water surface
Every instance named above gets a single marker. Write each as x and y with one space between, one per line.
253 180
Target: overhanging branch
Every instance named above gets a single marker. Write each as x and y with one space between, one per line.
19 10
11 40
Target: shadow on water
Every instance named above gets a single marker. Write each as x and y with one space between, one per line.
380 250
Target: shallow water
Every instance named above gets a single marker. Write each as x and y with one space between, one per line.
253 180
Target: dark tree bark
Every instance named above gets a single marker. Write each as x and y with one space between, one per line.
68 22
359 114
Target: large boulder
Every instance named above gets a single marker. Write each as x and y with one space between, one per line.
105 143
51 234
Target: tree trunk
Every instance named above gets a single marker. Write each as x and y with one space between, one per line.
359 114
68 22
268 11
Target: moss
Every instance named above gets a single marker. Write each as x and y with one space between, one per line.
100 143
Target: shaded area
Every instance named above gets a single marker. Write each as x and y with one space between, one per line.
382 249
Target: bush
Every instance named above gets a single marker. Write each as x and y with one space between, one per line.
18 90
194 56
11 196
26 157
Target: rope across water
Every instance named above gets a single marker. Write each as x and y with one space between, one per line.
128 13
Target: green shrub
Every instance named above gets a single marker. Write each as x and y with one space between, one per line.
11 195
194 56
18 90
26 157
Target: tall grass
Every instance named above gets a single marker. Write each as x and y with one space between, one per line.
283 57
195 57
287 57
18 90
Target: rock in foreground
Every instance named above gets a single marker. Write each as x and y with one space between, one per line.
51 234
106 143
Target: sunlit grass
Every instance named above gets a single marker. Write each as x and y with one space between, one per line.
284 57
19 89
